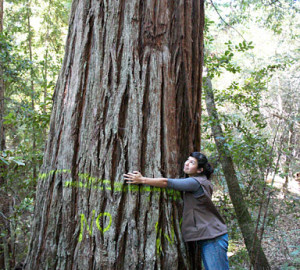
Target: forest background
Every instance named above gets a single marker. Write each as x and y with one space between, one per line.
251 58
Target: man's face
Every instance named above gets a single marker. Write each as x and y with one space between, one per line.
191 167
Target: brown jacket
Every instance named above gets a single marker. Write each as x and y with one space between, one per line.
201 220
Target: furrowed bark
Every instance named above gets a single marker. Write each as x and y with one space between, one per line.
127 98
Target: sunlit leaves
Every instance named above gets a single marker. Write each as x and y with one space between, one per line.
7 157
29 80
217 62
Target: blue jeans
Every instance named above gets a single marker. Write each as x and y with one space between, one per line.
214 253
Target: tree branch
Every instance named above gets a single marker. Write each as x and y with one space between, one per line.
225 21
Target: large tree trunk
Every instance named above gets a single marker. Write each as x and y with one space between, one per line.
253 245
128 98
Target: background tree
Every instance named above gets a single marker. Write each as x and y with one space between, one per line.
128 98
245 96
255 94
4 199
25 112
246 224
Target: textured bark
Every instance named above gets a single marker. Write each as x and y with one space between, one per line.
247 226
128 98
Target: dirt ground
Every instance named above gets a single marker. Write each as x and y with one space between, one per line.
281 238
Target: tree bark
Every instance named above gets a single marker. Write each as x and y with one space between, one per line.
128 98
247 226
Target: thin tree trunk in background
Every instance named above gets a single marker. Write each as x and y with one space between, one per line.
46 85
4 203
5 245
45 74
12 230
247 226
2 87
45 78
127 98
291 146
33 164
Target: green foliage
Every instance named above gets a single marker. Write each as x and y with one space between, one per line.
240 259
30 77
271 14
32 47
249 82
254 80
7 158
216 62
243 125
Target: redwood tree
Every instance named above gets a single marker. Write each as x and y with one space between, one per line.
128 98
